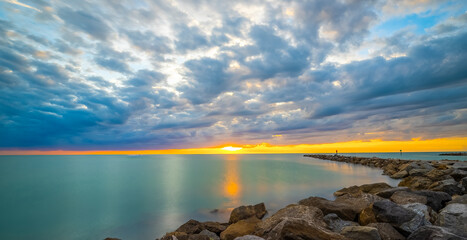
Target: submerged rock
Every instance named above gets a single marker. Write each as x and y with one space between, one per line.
244 212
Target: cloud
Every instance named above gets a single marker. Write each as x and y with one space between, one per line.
85 22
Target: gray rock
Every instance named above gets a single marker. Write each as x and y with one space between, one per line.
416 182
435 200
336 224
403 219
464 185
458 199
389 192
240 228
249 237
400 174
361 232
386 231
423 210
454 216
449 186
344 210
458 174
403 197
433 233
211 235
191 227
418 172
245 212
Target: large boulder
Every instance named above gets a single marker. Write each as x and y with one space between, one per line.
458 199
433 233
424 211
344 210
215 227
439 175
405 220
416 182
400 174
389 192
244 212
361 232
404 197
296 222
387 231
211 235
240 228
367 216
191 227
436 200
373 188
454 216
458 174
449 186
418 171
335 223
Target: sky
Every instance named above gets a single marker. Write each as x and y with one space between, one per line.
154 75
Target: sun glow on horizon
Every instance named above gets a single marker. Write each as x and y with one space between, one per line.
232 149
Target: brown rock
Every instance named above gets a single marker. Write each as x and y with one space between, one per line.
389 192
400 174
415 182
436 200
348 190
298 229
178 235
374 187
344 210
367 216
403 197
438 175
244 212
361 232
191 227
449 186
214 227
240 228
386 231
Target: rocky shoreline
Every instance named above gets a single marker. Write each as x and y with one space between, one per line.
429 203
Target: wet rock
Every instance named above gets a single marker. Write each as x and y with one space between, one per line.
244 212
449 186
249 237
403 197
361 232
435 200
295 222
399 217
389 192
454 216
423 210
433 233
400 174
386 231
416 182
211 235
344 210
214 227
336 224
191 227
240 228
367 216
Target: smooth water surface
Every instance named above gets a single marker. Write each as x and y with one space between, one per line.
142 197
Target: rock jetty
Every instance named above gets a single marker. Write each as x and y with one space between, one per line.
429 203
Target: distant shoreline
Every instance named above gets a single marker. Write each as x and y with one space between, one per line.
454 154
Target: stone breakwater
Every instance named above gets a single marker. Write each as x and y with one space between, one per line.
429 203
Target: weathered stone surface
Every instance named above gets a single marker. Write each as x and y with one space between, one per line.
403 197
197 237
436 200
295 221
211 235
418 171
240 228
454 216
361 232
191 227
359 202
449 186
348 190
416 182
458 199
244 212
367 216
344 210
249 237
423 210
464 185
438 175
389 192
374 187
386 231
400 174
408 166
458 174
401 218
178 235
336 224
433 233
214 227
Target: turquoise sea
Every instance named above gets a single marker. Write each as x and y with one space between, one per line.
142 197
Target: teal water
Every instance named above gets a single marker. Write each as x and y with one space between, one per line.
142 197
408 155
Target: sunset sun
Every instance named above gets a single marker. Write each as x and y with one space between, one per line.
232 149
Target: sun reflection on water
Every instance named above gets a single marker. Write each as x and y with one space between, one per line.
232 188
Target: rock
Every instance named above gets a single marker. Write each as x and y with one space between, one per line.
349 190
249 237
367 216
244 212
211 235
449 186
344 210
458 199
423 210
399 217
435 200
433 233
389 192
454 216
374 187
390 169
386 231
458 174
240 228
400 174
294 221
460 165
418 171
191 227
464 184
438 175
176 235
214 227
403 197
196 237
408 166
361 232
415 182
336 224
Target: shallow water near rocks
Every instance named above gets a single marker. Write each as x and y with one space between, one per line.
142 197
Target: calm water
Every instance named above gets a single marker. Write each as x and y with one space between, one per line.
409 155
142 197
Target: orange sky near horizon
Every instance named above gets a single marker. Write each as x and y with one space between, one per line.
375 145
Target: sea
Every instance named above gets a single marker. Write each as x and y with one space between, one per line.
145 196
